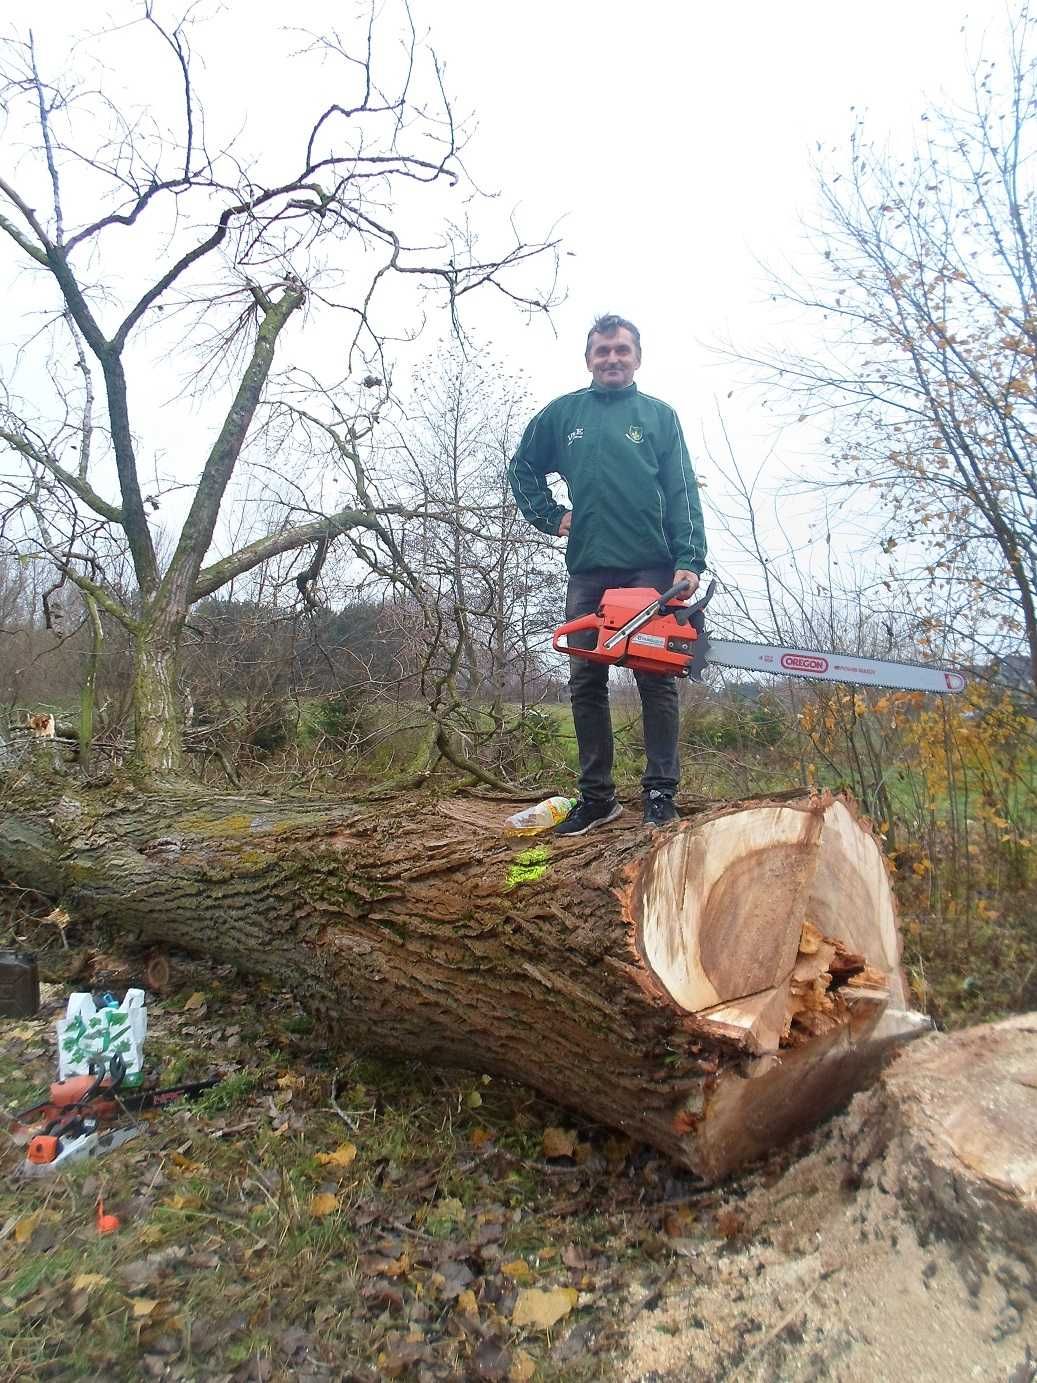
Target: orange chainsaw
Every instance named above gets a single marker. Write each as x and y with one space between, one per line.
649 631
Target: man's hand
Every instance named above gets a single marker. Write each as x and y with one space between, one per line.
566 524
689 576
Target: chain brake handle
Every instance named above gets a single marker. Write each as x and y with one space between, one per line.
686 614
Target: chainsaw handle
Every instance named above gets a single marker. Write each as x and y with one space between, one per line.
678 589
573 626
705 599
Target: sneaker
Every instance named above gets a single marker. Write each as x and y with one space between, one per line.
659 809
587 816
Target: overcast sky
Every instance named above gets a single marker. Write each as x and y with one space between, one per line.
670 144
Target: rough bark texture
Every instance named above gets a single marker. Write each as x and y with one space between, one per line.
711 989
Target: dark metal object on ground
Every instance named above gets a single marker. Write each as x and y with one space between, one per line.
19 984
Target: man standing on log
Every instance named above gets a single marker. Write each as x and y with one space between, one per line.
635 520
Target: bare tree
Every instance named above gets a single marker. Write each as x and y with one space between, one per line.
928 310
491 578
238 266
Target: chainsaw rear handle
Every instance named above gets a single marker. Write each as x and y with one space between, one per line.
678 589
573 626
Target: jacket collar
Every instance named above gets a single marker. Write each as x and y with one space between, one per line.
627 392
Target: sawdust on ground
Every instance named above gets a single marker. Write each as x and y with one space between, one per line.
826 1280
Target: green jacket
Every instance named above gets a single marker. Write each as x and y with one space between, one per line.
635 500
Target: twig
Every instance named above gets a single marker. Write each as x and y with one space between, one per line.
773 1334
351 1121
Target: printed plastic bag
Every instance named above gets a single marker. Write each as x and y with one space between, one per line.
88 1033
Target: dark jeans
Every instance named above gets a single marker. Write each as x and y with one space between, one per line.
589 691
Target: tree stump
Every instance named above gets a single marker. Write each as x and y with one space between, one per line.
712 988
953 1128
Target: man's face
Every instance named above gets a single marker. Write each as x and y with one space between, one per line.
613 360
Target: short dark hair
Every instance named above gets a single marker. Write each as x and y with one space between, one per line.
608 325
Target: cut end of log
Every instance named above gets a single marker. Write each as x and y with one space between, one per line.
771 925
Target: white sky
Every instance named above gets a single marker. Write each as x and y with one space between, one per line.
671 142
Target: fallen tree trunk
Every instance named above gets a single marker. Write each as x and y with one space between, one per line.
712 989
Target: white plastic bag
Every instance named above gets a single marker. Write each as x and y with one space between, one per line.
88 1033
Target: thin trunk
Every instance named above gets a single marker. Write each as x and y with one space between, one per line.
158 733
88 695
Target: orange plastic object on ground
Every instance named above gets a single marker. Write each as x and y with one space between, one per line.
43 1148
106 1224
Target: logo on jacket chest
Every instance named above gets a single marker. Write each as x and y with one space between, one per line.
634 433
575 436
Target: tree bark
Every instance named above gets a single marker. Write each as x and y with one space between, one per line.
158 751
712 989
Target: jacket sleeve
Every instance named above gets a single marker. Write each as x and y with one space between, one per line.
685 530
534 460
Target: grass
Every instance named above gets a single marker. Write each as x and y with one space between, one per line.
244 1245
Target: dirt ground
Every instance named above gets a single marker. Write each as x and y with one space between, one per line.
321 1217
821 1280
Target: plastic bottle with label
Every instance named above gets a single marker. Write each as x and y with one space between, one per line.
539 818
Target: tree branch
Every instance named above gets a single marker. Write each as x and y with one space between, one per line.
76 484
200 524
219 573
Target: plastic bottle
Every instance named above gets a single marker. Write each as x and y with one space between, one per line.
540 817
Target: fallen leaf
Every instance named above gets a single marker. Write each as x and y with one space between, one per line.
518 1267
543 1309
24 1227
341 1157
456 1278
677 1222
479 1137
466 1302
376 1264
382 1295
730 1223
183 1202
86 1282
559 1142
144 1306
491 1361
449 1209
392 1362
195 1002
184 1163
523 1367
324 1204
